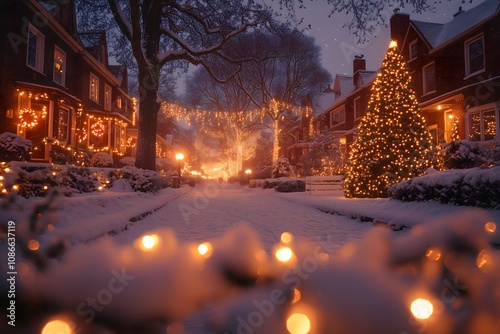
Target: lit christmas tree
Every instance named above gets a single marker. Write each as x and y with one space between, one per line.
393 142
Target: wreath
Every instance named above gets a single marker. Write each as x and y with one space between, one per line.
28 118
98 129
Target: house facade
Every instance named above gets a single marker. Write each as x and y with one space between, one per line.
53 89
455 74
455 70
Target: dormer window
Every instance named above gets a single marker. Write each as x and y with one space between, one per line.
474 55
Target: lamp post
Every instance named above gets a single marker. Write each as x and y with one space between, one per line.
179 157
248 172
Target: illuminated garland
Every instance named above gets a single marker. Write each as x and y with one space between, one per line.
28 118
98 129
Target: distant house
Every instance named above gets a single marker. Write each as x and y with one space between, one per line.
455 69
56 87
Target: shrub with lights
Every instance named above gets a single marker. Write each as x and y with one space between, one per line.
393 143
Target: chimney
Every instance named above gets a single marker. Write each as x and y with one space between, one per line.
359 63
460 11
399 25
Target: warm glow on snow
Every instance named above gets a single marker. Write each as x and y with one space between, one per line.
298 323
284 254
205 249
421 308
56 327
490 227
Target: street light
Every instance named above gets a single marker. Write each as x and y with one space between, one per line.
248 172
179 157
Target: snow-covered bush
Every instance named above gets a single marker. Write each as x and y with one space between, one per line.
282 167
290 186
463 154
142 179
478 187
14 147
127 161
101 159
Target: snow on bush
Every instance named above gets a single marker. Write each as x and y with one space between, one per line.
101 159
463 154
14 147
290 186
142 179
281 167
476 187
127 161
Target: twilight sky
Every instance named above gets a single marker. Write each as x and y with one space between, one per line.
336 41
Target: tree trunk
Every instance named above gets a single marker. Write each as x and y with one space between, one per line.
148 112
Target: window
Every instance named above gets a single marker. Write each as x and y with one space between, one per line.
474 55
59 66
413 50
429 78
94 88
338 117
35 49
482 125
63 125
358 111
107 97
119 102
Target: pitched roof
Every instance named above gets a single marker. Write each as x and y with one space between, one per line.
439 34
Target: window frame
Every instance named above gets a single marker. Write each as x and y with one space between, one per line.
108 94
67 125
94 95
467 43
63 73
410 50
425 83
357 113
341 113
39 49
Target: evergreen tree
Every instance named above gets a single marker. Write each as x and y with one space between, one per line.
393 142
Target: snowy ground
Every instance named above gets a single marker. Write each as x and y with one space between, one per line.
93 222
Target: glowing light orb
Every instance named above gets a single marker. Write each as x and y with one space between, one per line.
149 241
286 237
205 249
421 308
298 323
296 295
56 327
433 254
490 227
393 44
284 254
33 245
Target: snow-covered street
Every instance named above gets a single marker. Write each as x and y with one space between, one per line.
208 211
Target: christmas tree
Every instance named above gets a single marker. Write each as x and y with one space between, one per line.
393 143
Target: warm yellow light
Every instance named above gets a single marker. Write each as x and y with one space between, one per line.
433 254
284 254
57 327
393 44
490 227
149 241
298 323
205 249
421 308
33 245
484 261
296 295
450 116
286 237
179 156
248 171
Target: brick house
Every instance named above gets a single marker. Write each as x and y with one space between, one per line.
455 69
54 83
455 73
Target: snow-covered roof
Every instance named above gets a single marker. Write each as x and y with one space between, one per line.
343 85
367 76
90 39
439 34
